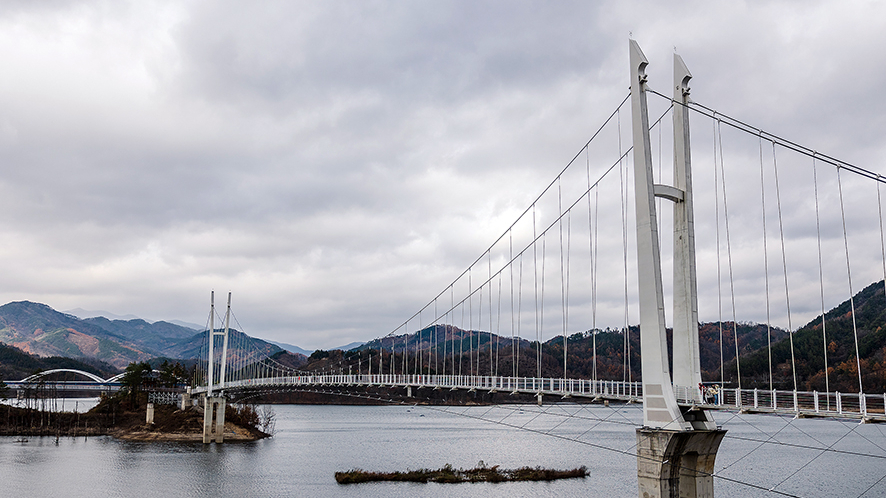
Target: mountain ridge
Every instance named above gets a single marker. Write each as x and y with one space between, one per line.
36 328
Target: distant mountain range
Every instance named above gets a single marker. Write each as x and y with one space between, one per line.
307 352
84 314
38 329
291 348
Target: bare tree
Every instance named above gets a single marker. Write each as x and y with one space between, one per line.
267 419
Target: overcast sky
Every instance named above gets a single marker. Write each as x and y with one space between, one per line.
337 164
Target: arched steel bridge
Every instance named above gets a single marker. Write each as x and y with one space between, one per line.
93 382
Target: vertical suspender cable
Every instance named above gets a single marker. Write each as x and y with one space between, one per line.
405 370
519 316
418 346
729 253
824 336
452 347
624 241
566 304
461 339
719 265
784 261
447 324
627 204
511 284
479 324
513 314
765 262
541 321
498 326
461 342
594 281
849 276
562 271
491 340
535 284
470 321
591 267
882 242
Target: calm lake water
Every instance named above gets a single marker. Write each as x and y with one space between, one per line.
313 442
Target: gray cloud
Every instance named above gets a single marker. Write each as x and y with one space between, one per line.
336 165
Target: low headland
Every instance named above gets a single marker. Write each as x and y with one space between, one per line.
124 418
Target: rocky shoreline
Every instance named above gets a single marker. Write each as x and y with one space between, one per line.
233 433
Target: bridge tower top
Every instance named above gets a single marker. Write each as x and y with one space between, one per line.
212 333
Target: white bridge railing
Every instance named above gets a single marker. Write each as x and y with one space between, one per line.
836 404
63 386
529 385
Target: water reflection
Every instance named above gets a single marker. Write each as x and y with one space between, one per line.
313 442
75 405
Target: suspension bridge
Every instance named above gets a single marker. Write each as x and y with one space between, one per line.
762 229
782 230
510 285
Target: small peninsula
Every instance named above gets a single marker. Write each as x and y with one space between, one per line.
125 419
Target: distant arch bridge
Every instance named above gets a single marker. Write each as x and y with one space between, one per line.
91 382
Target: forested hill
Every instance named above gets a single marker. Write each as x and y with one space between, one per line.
837 335
618 356
15 364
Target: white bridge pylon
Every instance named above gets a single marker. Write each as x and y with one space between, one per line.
660 407
676 447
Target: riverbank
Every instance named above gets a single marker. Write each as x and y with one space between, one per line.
126 420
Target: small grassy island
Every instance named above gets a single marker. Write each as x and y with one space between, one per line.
448 474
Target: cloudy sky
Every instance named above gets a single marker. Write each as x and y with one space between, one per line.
337 164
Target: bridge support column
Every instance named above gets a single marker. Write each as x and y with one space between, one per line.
676 449
676 463
149 415
408 391
214 419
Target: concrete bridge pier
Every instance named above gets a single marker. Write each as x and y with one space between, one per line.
186 399
213 419
676 463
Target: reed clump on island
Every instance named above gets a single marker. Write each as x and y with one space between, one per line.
448 474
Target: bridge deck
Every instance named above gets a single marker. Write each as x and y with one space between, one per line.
866 407
65 385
